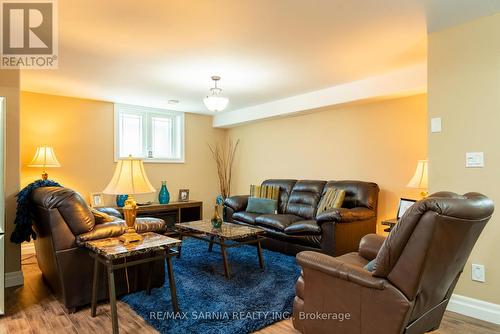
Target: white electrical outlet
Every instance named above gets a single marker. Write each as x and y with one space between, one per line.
478 273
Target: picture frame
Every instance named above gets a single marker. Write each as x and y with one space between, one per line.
96 200
404 205
184 195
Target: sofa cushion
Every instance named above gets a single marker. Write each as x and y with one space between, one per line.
357 193
277 222
274 236
304 198
303 227
246 217
353 259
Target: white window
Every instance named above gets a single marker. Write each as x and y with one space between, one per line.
155 135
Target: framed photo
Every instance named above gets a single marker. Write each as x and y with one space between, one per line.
96 200
183 195
404 204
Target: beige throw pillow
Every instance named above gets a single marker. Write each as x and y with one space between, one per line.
271 192
332 199
101 217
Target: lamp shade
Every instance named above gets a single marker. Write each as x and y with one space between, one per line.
44 157
129 178
419 179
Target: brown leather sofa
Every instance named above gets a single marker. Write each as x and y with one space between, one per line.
416 270
62 222
296 227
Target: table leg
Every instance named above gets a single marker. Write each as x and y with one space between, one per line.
181 236
211 243
171 282
227 271
94 288
112 296
259 252
150 274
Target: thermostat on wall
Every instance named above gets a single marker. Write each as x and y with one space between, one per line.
474 159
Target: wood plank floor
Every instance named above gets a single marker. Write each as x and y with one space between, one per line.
33 309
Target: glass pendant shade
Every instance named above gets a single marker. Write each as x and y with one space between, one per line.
215 101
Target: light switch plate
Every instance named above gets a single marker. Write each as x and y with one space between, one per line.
436 124
474 159
477 273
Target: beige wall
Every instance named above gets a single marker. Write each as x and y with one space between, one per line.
377 141
464 89
81 132
9 88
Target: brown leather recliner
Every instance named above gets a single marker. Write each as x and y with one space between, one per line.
416 270
62 222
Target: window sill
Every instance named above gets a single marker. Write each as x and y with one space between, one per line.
158 161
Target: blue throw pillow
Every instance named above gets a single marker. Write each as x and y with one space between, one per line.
262 205
370 266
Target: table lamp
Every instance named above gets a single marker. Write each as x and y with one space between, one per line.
44 157
419 179
129 178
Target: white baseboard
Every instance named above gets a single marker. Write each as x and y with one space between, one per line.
14 278
475 308
28 248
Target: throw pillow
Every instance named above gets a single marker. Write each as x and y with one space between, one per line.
370 266
101 217
332 199
262 205
271 192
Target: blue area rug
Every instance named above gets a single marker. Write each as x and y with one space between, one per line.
252 299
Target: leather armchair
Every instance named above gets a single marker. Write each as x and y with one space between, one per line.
62 222
416 270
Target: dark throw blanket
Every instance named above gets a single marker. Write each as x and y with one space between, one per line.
23 230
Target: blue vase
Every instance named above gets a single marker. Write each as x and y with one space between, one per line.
120 200
163 196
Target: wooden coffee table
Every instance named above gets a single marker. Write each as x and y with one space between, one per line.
239 235
108 251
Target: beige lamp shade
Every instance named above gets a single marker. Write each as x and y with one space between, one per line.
130 178
419 179
44 157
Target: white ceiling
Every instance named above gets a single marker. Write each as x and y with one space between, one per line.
147 52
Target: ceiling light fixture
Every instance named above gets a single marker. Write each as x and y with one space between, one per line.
215 101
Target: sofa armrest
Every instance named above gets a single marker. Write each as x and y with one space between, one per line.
344 215
102 231
237 203
370 245
335 268
332 215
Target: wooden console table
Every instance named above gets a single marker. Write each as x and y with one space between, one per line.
173 212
